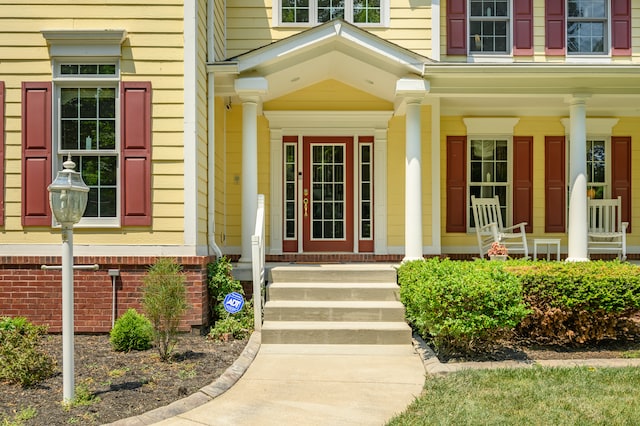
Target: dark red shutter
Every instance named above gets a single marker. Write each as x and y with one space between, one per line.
554 27
36 153
523 181
621 173
523 27
136 153
456 27
1 153
456 184
621 27
555 188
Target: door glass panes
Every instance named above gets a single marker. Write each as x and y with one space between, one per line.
587 26
290 189
365 191
488 172
295 11
489 26
327 191
596 172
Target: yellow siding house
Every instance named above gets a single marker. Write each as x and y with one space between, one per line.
368 125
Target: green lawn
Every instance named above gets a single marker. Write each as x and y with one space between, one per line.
536 396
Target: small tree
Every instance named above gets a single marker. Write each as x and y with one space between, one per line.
164 302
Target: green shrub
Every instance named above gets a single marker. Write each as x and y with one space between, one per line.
165 301
579 302
21 360
461 306
132 331
221 283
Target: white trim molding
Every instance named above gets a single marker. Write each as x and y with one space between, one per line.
594 126
91 43
490 125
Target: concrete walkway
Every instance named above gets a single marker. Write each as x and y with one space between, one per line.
303 385
322 385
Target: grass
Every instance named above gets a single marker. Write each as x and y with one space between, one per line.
535 396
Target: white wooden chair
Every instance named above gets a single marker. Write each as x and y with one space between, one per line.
489 228
607 233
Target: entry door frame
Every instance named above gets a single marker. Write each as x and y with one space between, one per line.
327 123
309 244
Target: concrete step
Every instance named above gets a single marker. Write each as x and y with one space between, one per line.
336 332
319 291
338 273
301 310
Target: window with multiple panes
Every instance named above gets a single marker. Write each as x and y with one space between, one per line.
311 12
587 26
366 191
596 169
86 123
290 191
488 173
489 26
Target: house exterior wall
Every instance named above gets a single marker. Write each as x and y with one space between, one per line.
152 27
539 37
538 127
153 52
250 25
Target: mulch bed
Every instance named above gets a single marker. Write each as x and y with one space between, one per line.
122 384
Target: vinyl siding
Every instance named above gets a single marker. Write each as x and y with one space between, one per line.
249 26
219 30
152 52
202 125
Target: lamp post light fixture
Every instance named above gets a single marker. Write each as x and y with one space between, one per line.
68 200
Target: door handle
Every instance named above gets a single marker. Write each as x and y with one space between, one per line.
305 202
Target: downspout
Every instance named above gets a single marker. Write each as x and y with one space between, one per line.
211 148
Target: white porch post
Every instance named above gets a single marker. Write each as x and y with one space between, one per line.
249 90
413 90
577 230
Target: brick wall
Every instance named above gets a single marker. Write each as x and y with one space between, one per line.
27 290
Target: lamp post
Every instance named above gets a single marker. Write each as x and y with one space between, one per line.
68 199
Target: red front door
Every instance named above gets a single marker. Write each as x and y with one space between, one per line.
327 194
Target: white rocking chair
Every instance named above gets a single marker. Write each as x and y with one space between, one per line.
489 228
607 233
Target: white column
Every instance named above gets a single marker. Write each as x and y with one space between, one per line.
413 183
577 231
413 91
249 90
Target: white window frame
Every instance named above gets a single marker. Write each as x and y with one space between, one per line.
509 42
508 184
78 81
606 35
313 15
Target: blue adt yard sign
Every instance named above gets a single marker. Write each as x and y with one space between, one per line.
233 302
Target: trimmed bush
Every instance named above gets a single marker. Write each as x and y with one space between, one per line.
221 283
131 332
461 306
21 360
579 302
165 301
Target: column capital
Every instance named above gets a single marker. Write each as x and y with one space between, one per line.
250 89
413 90
577 98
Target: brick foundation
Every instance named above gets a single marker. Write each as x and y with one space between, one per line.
27 290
